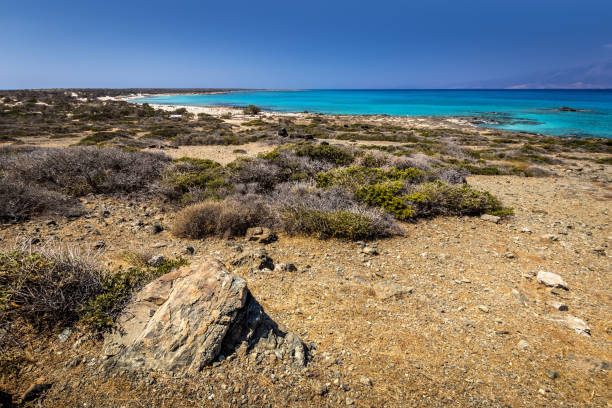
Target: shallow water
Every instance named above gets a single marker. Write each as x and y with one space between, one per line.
516 110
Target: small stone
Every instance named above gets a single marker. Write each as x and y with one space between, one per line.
522 345
558 305
483 309
552 374
189 250
261 235
156 228
320 389
550 237
525 230
491 218
349 401
387 290
365 381
285 267
369 251
551 279
572 322
510 255
156 261
64 335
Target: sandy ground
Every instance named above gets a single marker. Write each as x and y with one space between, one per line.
476 329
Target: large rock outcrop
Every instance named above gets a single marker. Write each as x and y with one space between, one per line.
184 320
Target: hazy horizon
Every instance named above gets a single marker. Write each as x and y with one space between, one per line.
439 45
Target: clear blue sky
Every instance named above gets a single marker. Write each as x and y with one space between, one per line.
290 44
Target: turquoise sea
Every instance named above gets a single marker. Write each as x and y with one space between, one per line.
536 111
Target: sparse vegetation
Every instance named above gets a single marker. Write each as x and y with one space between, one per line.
252 110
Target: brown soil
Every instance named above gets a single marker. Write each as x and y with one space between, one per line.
453 341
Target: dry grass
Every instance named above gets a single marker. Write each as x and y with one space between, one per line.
224 218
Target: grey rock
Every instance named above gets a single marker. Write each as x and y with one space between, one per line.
64 335
551 279
558 305
572 322
184 320
523 345
491 218
156 261
285 267
388 290
156 228
255 261
550 237
261 235
369 251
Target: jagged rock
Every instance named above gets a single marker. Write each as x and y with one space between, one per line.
285 267
491 218
182 321
261 235
156 228
551 279
572 322
558 305
387 290
255 261
156 261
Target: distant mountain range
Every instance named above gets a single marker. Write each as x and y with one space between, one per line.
593 76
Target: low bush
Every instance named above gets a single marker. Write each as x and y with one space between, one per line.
251 110
438 198
338 155
387 196
222 218
81 170
21 200
355 177
100 137
337 224
203 178
304 208
46 287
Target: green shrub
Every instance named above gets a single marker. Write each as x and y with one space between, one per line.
189 174
251 110
333 154
98 137
388 197
438 198
338 224
101 311
355 177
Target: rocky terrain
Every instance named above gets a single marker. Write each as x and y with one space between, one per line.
457 311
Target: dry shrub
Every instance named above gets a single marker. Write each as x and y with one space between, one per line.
47 286
21 200
81 170
229 217
304 208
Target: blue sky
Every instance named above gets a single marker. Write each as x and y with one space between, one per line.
287 44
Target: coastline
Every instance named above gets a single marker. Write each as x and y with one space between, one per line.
429 122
